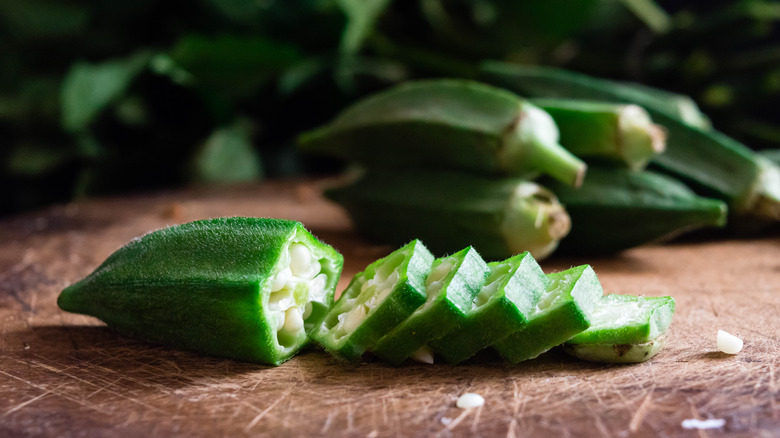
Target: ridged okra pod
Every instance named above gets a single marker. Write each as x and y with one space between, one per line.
617 209
617 133
448 124
709 161
499 217
376 301
562 311
240 288
451 286
501 307
624 329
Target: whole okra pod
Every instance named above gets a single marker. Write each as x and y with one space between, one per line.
499 217
620 133
448 124
241 288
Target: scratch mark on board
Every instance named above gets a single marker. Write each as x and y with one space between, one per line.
265 411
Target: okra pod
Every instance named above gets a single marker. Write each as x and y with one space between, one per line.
240 288
376 301
616 209
448 124
449 211
501 307
451 286
620 133
709 161
562 311
624 329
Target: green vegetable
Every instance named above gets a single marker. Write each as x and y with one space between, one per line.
712 163
563 310
622 133
451 286
624 329
448 124
241 288
449 211
501 307
617 209
376 301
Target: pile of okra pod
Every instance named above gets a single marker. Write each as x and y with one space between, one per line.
533 158
259 290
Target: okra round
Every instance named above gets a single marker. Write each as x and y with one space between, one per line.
448 124
376 300
240 288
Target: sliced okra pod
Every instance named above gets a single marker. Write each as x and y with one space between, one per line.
624 329
448 124
563 310
656 206
449 211
240 288
501 307
621 133
451 286
375 301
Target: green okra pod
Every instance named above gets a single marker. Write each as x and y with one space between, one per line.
448 124
501 307
451 287
710 162
449 211
616 209
621 133
563 310
624 329
241 288
376 301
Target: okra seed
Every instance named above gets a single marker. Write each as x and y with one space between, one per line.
300 259
307 310
354 318
729 343
280 320
281 300
424 354
281 279
470 400
293 320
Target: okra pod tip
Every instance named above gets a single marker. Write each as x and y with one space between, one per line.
534 220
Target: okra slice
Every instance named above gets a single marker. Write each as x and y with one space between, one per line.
376 300
449 211
624 329
448 124
451 286
563 310
620 133
501 307
240 288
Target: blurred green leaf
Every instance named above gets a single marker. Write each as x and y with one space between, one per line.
38 19
89 88
227 156
231 64
361 18
651 14
30 159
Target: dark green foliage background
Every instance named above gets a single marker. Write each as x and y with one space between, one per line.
101 97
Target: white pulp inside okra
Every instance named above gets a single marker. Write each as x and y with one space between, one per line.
373 291
493 283
294 287
553 295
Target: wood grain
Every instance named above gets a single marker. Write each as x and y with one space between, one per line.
67 375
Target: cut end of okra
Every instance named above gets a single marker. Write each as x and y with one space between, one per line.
375 301
451 286
533 144
767 202
639 138
241 288
534 221
624 329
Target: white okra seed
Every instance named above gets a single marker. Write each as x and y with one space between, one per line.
300 259
354 318
281 279
307 310
470 400
729 343
424 354
293 320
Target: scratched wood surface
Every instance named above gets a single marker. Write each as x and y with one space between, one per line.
64 375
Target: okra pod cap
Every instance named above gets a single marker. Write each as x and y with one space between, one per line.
240 288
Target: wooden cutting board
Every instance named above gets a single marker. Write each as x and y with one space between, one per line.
65 375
